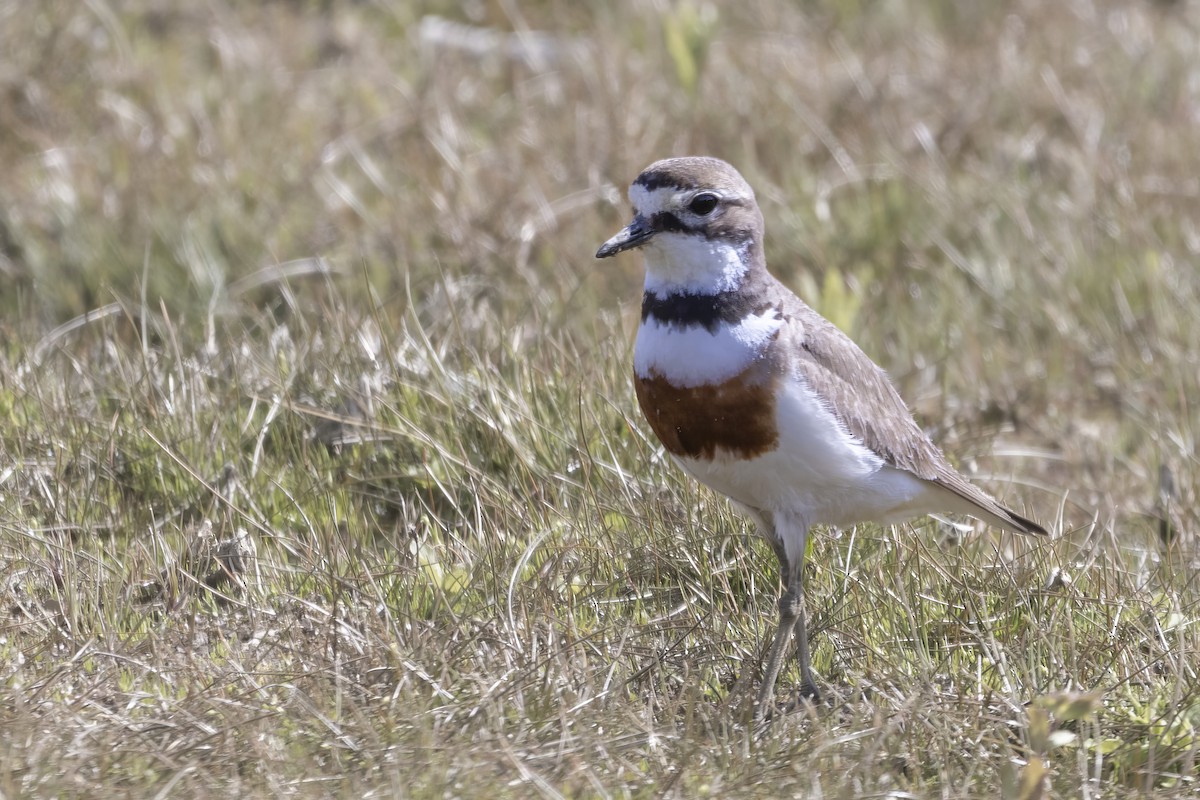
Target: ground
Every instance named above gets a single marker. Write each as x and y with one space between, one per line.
320 468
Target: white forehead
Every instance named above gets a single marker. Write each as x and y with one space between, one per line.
648 202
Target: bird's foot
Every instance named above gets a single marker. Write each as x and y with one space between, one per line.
809 696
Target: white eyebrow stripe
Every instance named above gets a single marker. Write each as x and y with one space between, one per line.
649 202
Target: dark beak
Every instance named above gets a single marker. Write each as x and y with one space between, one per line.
635 234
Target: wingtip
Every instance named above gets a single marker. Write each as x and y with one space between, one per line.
966 498
1026 525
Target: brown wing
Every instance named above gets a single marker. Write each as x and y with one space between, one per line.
862 397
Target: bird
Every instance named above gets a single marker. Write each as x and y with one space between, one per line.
759 397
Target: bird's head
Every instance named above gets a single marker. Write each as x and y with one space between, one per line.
698 222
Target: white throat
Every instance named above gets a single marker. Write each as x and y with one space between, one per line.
682 263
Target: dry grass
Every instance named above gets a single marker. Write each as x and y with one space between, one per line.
321 273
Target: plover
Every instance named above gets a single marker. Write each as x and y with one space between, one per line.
761 398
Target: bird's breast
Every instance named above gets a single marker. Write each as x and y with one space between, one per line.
692 352
708 386
734 417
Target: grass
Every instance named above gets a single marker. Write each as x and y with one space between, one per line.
320 469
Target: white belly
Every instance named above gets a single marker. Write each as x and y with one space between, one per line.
818 472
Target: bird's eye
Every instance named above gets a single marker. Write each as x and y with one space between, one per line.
703 204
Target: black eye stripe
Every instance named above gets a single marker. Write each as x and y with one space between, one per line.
666 221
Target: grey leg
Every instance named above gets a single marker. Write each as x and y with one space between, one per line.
791 619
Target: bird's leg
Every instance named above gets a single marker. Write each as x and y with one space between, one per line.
787 622
791 618
795 592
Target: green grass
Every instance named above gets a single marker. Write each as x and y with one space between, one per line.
230 233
